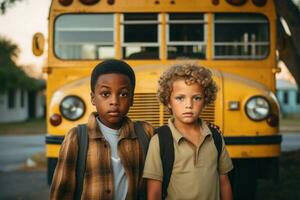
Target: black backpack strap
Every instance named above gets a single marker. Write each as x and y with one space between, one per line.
167 156
81 159
142 137
144 140
216 134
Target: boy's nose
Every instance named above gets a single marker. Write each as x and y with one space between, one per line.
188 104
114 100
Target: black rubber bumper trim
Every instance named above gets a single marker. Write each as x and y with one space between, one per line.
50 139
244 140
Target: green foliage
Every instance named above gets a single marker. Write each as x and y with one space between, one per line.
11 75
4 4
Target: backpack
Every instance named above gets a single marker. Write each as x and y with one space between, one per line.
166 151
82 137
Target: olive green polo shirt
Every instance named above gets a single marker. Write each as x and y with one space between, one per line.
195 174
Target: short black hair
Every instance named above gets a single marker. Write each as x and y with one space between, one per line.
112 66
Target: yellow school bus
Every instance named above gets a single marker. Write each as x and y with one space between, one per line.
236 39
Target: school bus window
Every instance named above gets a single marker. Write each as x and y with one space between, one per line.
241 36
84 36
186 36
140 36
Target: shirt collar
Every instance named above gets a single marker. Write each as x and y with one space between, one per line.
206 130
175 133
178 136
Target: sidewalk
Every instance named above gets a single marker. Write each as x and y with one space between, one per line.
290 125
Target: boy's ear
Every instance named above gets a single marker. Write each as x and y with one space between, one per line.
169 106
93 98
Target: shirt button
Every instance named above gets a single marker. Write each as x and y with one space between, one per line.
105 145
108 191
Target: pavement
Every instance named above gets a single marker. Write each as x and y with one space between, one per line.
15 150
24 185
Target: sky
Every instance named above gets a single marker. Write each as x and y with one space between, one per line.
19 24
25 18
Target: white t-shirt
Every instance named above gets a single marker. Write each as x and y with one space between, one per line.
120 179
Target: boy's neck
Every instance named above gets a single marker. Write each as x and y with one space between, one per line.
191 132
116 127
106 129
187 128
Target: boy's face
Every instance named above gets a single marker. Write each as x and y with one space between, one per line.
186 102
112 98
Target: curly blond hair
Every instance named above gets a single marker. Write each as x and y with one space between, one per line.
190 73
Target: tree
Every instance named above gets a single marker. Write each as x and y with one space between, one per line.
6 4
8 52
11 75
289 46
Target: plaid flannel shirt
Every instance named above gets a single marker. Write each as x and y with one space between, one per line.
98 178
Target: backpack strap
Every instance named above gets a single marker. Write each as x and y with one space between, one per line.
81 158
167 156
142 137
216 134
144 140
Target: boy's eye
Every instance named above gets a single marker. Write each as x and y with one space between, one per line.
124 94
179 98
105 94
198 98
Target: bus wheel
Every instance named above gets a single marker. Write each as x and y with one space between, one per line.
244 179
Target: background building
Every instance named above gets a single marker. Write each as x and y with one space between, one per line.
289 97
19 104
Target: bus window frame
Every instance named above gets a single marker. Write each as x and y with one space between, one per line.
85 59
123 44
182 43
236 57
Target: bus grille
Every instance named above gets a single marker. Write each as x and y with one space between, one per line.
147 108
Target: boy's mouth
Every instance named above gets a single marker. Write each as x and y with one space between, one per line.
187 114
114 113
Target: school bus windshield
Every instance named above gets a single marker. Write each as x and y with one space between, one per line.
84 36
91 36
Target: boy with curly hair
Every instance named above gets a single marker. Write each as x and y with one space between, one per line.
198 171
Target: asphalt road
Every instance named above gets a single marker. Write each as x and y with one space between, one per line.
14 150
19 184
23 185
290 141
16 184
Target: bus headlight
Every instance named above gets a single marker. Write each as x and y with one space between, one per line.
257 108
72 107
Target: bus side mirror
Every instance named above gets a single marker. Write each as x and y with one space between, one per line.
38 43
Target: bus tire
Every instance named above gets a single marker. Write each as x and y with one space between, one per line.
244 179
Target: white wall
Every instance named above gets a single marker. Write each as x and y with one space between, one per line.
292 106
39 106
17 113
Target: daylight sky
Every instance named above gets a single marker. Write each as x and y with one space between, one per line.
19 24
